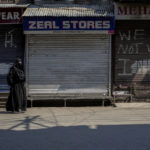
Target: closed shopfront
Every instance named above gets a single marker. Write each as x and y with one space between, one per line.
11 39
132 49
67 62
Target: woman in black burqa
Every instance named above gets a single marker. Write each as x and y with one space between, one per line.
17 96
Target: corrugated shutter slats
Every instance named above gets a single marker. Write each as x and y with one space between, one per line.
68 63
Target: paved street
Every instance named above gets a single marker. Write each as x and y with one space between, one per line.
77 128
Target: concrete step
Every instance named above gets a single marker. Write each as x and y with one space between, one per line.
2 102
3 95
2 106
3 98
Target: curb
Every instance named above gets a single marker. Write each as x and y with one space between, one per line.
133 105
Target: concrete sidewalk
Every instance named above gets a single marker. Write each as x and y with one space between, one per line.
76 128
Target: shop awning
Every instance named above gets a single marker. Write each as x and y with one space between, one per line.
14 5
68 11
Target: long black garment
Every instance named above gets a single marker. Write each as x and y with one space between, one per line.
17 96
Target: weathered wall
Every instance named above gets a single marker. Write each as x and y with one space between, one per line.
131 56
11 46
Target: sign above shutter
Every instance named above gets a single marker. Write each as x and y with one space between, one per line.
69 23
128 11
10 15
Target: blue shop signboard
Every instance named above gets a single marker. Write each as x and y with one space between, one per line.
69 24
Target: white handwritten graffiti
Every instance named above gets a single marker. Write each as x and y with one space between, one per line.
139 67
124 73
138 34
132 43
9 41
134 47
129 49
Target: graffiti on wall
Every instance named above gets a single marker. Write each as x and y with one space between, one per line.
139 67
9 40
132 43
133 47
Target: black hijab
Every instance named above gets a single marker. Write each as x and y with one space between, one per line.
17 64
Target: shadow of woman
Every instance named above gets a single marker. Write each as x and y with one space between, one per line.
27 122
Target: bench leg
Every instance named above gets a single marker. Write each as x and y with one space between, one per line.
131 98
103 103
65 103
114 101
31 103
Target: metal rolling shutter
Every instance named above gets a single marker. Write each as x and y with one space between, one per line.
68 63
11 46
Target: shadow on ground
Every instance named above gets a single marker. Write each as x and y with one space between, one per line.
102 137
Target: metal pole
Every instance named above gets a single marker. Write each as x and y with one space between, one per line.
110 65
